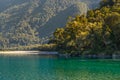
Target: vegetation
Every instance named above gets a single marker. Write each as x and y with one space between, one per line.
30 22
43 47
96 33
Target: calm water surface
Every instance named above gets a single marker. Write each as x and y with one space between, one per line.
53 68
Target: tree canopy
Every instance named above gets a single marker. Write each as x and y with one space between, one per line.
96 32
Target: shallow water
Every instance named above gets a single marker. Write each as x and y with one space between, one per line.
53 68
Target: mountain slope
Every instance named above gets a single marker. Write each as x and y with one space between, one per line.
24 22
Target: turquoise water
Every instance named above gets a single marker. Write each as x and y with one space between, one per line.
53 68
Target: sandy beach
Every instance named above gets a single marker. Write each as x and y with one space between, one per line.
25 52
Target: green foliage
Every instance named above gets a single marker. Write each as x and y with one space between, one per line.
107 3
27 22
97 32
113 21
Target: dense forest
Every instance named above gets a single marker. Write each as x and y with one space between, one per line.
29 22
98 32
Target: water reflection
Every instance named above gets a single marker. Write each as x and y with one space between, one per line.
53 68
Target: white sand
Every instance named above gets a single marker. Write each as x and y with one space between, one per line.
19 52
25 52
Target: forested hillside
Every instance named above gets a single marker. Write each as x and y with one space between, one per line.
26 22
97 33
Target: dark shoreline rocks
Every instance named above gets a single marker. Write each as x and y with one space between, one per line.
113 56
92 55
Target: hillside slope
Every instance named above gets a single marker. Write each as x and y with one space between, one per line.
24 22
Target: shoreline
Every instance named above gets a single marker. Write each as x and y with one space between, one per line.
92 56
27 53
20 53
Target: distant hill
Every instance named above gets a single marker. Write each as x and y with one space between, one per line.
25 22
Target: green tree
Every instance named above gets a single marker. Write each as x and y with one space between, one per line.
106 3
113 21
